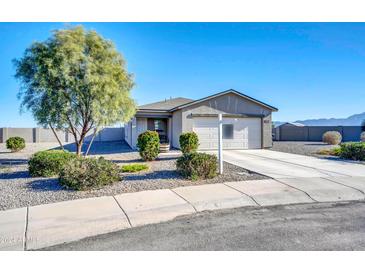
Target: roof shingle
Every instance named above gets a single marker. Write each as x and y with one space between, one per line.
166 104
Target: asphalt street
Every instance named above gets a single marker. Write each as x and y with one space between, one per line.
321 226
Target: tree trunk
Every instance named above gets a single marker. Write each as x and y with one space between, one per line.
96 131
79 148
55 134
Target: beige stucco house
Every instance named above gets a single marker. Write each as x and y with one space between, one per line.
246 121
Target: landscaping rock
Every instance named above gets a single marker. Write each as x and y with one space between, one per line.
18 189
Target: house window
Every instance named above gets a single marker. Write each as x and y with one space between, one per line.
158 124
227 130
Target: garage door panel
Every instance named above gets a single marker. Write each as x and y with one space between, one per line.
246 133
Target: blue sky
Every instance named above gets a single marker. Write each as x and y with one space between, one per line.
311 70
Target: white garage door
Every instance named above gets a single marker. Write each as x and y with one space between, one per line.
238 133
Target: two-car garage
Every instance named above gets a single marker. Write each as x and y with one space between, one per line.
238 133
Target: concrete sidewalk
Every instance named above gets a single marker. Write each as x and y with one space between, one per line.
50 224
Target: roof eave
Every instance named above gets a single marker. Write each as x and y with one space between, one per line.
153 110
222 93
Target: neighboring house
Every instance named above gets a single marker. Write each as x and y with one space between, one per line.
246 121
288 131
291 124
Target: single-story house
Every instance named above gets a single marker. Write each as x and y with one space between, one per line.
290 130
246 121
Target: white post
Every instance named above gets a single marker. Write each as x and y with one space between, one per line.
220 144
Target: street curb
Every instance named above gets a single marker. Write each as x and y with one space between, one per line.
72 220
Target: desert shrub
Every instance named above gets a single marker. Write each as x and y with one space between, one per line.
333 151
148 144
353 151
89 173
134 167
48 163
197 165
189 142
362 136
332 137
15 144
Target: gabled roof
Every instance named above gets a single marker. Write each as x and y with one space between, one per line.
166 105
222 93
180 102
293 124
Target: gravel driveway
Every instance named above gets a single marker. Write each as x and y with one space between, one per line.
18 189
303 148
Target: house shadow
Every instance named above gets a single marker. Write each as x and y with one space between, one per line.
139 160
11 161
316 144
100 148
14 175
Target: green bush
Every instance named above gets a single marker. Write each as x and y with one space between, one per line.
353 151
48 163
134 167
332 137
197 165
89 173
189 142
15 144
148 144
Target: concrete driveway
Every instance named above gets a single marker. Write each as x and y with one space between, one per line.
278 165
320 179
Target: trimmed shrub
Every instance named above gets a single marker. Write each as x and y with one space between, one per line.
353 151
332 137
197 166
148 144
48 163
362 136
15 144
189 142
134 167
89 173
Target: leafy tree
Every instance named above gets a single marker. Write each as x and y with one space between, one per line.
75 81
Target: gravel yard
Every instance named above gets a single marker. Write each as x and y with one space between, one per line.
303 148
18 189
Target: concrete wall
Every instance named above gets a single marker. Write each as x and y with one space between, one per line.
176 128
315 133
128 133
42 135
138 125
46 135
267 131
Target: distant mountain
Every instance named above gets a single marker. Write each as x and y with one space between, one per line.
353 120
